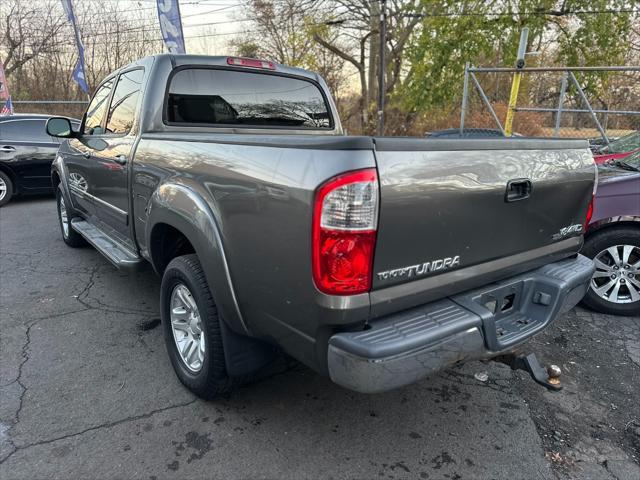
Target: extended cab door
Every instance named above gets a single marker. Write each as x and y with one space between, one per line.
78 158
106 149
111 161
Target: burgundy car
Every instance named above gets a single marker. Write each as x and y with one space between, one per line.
619 148
613 238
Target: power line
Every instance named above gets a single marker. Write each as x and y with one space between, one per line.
534 13
153 24
146 40
151 28
144 26
154 28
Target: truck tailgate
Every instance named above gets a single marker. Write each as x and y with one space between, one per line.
448 205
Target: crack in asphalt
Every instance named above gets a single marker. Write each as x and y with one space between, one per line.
115 423
82 298
87 288
25 358
18 380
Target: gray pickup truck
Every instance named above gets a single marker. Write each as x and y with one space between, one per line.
375 261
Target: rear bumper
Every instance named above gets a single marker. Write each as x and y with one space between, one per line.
404 347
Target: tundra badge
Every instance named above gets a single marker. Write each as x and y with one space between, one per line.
421 268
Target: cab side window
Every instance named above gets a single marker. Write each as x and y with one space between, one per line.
124 102
97 109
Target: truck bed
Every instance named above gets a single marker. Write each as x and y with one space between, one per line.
438 199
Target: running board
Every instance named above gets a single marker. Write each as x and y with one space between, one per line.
113 250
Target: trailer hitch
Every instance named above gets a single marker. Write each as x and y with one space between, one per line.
547 377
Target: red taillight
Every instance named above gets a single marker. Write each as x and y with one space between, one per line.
345 219
587 220
250 62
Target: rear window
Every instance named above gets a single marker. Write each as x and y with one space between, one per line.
248 99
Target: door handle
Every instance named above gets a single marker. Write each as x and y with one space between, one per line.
86 155
121 159
518 189
7 149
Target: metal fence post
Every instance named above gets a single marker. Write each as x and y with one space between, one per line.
382 66
515 85
465 99
486 102
563 91
593 114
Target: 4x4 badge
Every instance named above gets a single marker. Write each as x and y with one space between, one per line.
566 231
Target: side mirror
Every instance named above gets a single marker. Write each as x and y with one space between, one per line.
60 127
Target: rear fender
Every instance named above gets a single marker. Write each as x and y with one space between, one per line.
183 207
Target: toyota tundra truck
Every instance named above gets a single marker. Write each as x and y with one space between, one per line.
376 261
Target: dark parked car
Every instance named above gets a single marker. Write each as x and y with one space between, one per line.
453 133
26 153
467 133
613 239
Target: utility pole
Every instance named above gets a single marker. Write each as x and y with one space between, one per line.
515 85
382 66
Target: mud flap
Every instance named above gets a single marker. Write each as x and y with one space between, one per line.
244 355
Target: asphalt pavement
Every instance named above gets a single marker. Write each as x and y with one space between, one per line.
87 391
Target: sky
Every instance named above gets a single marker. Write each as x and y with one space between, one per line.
219 20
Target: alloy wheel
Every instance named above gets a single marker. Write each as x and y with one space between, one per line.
617 275
63 218
186 326
3 188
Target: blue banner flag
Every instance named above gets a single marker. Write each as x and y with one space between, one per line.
171 25
78 72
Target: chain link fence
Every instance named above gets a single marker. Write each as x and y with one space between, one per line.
594 103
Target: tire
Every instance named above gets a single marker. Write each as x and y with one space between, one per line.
595 247
210 379
6 189
69 235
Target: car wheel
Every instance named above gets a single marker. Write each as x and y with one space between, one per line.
69 235
6 189
615 285
191 326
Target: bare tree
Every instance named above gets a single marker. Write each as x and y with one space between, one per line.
28 30
39 51
360 20
284 33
